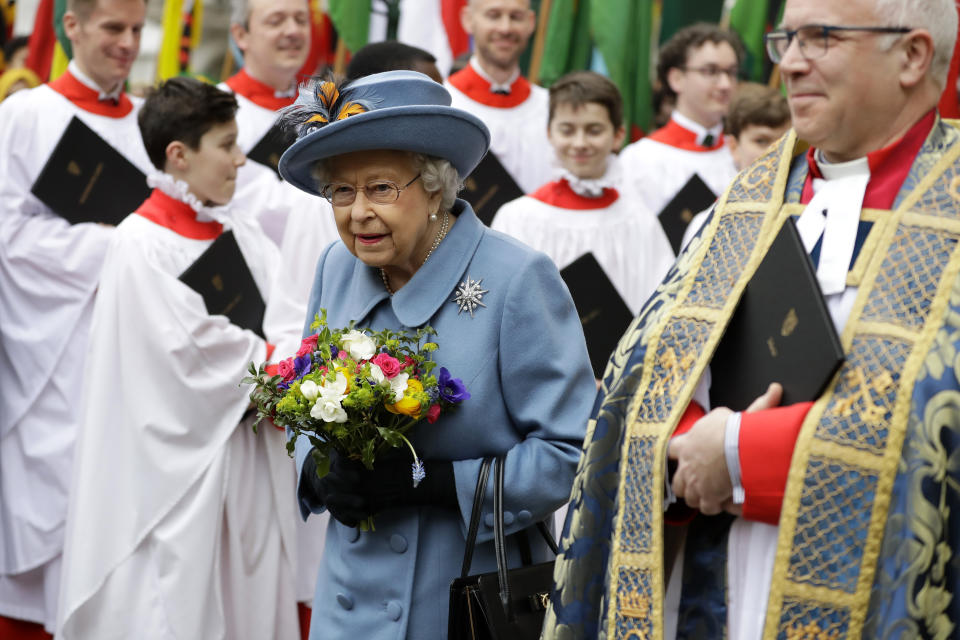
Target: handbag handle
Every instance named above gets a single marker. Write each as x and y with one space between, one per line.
475 512
498 531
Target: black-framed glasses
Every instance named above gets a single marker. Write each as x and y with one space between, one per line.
341 194
814 39
714 72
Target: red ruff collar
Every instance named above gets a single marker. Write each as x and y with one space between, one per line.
675 135
472 84
889 166
559 194
258 93
88 99
177 216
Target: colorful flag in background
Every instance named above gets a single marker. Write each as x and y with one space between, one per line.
567 42
751 19
351 19
623 36
182 28
49 49
677 14
434 25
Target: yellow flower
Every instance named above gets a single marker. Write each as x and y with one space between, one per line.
408 405
348 375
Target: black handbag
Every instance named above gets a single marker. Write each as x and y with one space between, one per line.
506 604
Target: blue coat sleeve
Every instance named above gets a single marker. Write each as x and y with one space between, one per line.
548 388
308 502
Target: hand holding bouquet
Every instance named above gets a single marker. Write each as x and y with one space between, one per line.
356 391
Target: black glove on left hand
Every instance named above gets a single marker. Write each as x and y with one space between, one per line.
390 485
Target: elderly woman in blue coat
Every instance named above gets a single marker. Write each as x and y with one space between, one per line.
389 153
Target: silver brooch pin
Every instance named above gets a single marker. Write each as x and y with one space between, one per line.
469 295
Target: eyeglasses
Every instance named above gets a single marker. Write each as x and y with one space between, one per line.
814 39
713 72
341 194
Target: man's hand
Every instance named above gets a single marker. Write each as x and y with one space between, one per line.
702 478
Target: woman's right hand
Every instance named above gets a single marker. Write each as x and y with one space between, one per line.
340 489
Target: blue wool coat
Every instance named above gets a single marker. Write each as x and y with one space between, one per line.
523 359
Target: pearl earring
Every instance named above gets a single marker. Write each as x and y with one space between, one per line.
433 217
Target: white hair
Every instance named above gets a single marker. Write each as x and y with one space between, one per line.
939 17
436 174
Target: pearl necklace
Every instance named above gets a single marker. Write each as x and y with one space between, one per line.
441 234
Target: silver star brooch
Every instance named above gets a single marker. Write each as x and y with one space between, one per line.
468 296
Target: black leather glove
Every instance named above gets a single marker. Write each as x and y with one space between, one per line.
337 489
351 492
390 484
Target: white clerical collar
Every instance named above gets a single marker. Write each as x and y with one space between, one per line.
180 190
86 81
838 170
697 128
495 87
591 187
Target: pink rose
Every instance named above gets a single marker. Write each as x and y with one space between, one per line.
387 363
433 413
307 345
286 369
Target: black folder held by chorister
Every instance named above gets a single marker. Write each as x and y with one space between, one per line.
603 313
87 180
781 331
271 146
489 187
221 276
694 197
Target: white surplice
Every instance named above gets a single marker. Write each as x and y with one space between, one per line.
259 189
657 171
518 135
48 276
626 240
181 517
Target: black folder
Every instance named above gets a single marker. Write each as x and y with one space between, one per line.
694 197
780 331
489 187
271 146
222 277
603 313
87 180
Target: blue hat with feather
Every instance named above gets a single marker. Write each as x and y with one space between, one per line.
398 110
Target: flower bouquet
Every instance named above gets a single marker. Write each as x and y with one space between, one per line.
356 391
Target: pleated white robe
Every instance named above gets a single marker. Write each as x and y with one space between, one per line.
181 519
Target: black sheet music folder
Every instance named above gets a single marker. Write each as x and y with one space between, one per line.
781 331
694 197
222 277
489 187
87 180
603 313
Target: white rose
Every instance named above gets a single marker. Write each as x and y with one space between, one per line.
376 374
310 390
328 410
359 345
398 384
335 390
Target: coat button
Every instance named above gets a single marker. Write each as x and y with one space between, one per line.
524 517
507 518
394 610
488 520
353 534
345 601
398 543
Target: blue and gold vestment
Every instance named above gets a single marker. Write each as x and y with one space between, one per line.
870 523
